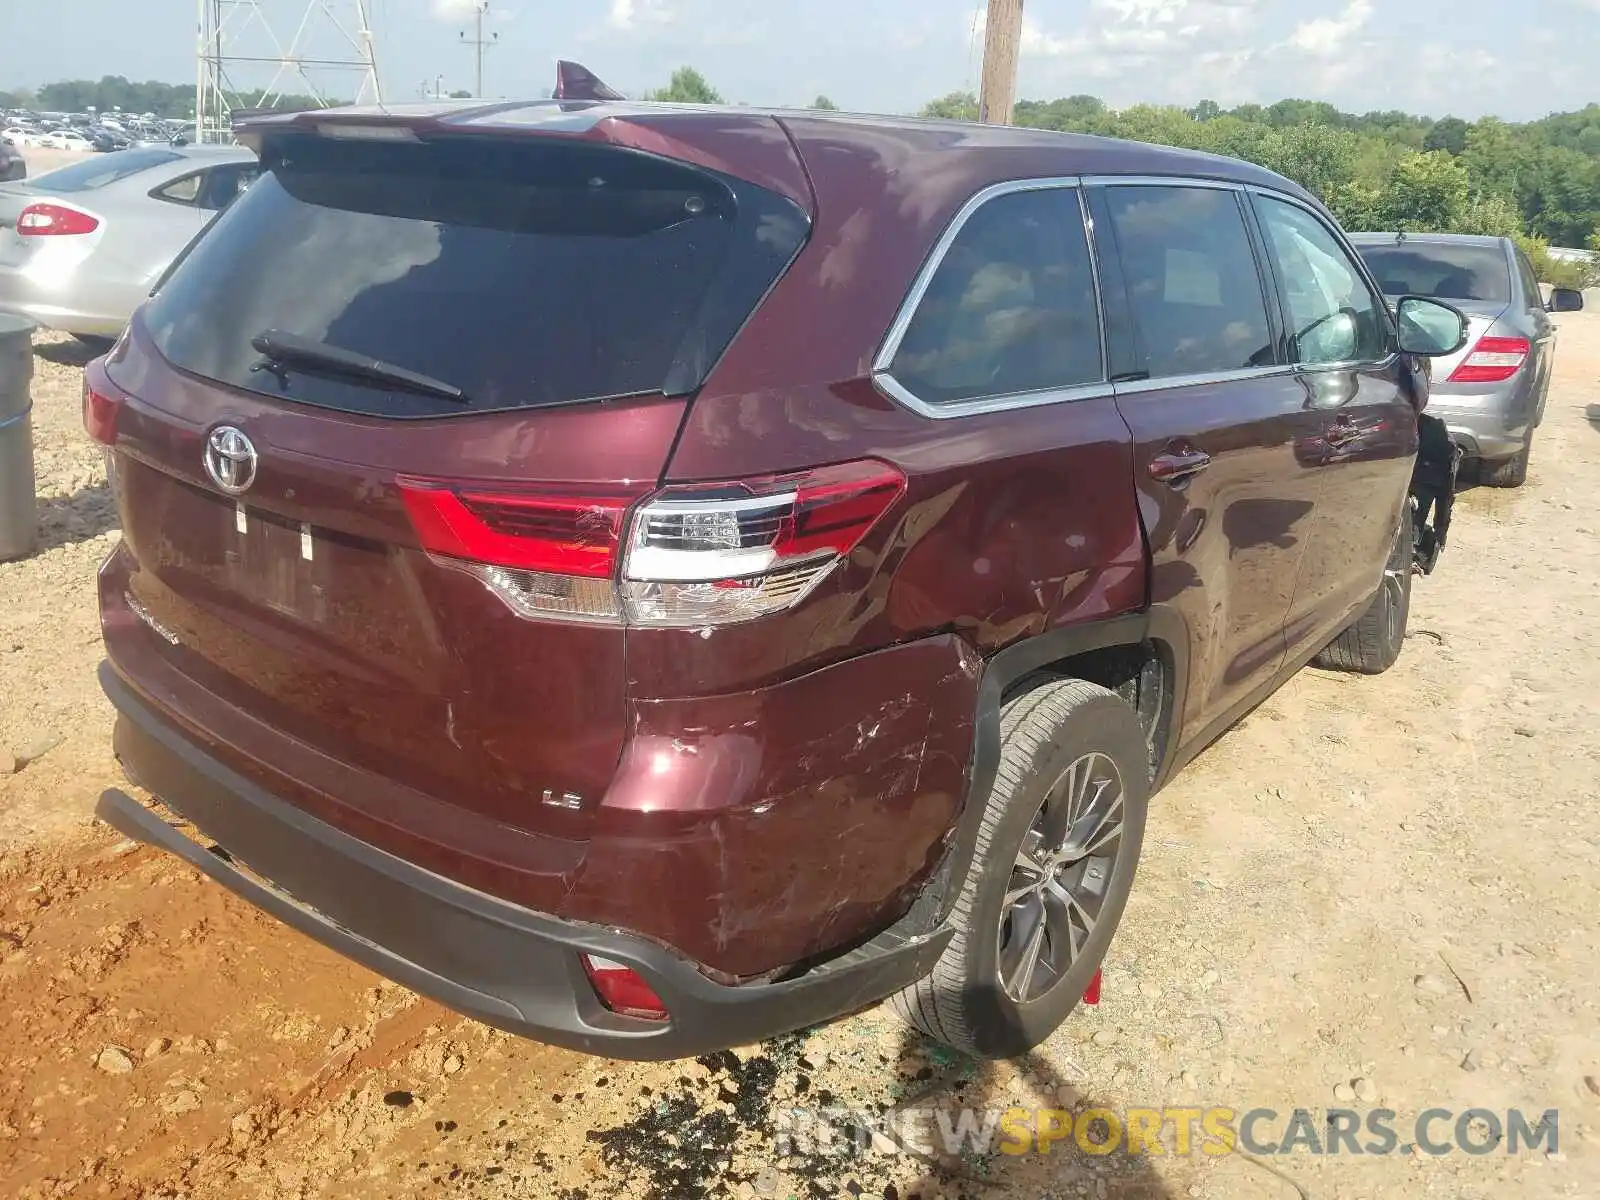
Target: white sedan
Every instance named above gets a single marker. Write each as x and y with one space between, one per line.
66 139
19 137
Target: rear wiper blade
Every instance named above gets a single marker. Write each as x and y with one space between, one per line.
284 349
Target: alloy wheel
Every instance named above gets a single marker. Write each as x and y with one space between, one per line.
1060 878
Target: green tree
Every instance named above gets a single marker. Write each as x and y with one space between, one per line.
1317 157
823 104
1428 191
1448 134
957 106
687 86
1495 215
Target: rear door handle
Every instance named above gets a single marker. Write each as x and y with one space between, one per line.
1178 466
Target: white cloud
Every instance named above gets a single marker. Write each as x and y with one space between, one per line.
453 10
631 15
1327 36
1143 12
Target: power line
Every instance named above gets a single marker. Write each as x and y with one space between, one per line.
238 38
479 43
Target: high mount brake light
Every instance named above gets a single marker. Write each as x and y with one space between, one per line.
1492 360
690 555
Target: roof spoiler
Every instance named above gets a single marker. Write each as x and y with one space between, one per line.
574 81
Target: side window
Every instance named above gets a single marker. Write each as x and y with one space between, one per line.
183 191
1192 280
223 185
1011 307
1530 282
1333 315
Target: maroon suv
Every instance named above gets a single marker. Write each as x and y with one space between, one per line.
652 578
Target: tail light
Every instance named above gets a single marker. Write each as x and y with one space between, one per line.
100 411
716 554
1492 360
690 556
622 989
54 220
543 553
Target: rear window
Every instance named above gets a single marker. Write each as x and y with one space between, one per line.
103 170
1440 269
524 274
1192 279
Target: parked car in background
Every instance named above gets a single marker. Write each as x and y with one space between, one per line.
19 137
1492 393
654 577
66 139
12 165
105 141
80 247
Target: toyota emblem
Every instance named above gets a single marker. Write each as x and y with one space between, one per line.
230 459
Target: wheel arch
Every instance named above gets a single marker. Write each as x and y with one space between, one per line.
1152 643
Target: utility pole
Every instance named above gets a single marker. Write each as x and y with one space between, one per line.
478 42
1002 45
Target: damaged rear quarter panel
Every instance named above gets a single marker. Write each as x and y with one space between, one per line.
775 824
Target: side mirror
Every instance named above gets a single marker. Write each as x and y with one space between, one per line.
1430 327
1565 300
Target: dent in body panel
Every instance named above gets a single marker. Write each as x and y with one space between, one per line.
778 829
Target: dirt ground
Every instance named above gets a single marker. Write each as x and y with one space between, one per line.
1389 880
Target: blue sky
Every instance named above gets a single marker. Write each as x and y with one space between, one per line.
1467 57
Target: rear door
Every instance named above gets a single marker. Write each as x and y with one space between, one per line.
413 584
1342 345
1221 428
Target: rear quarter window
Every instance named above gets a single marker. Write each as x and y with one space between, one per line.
1011 307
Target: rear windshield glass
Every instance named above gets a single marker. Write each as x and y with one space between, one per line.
1448 272
103 169
522 274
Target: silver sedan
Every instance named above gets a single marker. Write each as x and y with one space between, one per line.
1491 392
81 247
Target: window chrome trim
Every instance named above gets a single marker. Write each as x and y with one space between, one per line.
1093 250
900 394
1353 364
889 386
1188 181
1201 379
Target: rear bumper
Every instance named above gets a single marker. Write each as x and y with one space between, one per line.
53 305
503 964
1485 423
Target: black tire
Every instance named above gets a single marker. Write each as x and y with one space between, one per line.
1059 735
1507 472
1373 642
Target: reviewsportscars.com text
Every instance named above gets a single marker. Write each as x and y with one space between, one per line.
1179 1131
